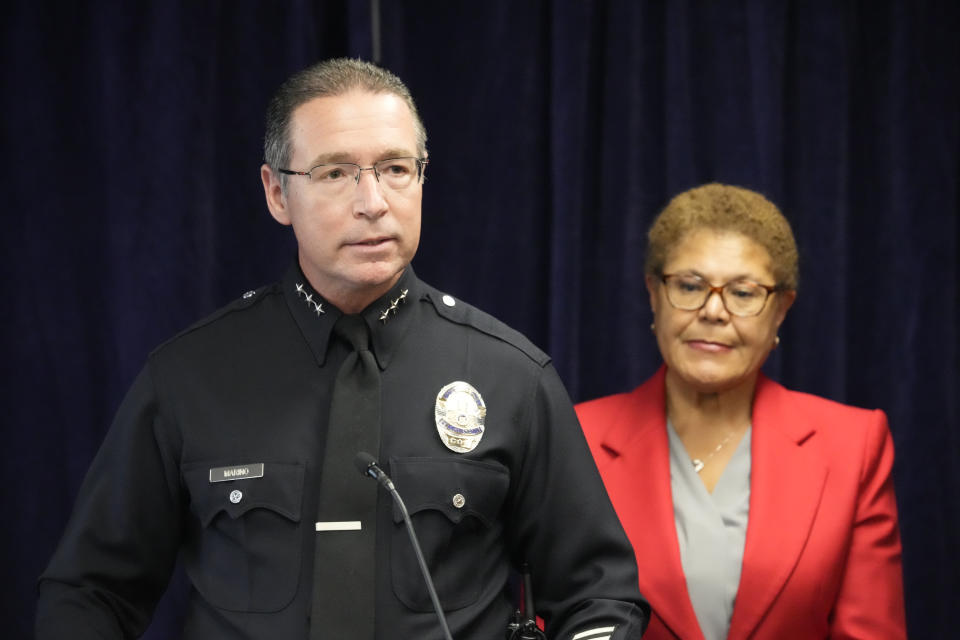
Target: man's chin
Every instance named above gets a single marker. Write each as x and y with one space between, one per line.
378 277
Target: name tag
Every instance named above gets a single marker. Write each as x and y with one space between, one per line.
236 472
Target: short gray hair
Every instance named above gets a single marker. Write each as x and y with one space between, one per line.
332 77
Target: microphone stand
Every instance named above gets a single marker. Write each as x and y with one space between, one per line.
368 467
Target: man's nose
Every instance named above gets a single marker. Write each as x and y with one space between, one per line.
369 200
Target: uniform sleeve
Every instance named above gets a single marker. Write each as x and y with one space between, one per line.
120 545
583 567
870 600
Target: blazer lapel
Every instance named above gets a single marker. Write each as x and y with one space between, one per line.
638 479
786 484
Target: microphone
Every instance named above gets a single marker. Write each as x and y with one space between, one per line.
368 467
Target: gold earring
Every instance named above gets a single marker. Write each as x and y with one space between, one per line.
776 341
653 327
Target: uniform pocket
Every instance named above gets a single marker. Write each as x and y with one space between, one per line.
454 505
244 551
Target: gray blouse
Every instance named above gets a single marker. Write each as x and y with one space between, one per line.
711 530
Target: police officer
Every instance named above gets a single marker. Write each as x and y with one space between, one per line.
230 447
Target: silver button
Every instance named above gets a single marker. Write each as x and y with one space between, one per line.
249 294
449 301
459 501
236 496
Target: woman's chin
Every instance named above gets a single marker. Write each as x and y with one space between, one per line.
712 379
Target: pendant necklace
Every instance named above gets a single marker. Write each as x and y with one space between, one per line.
698 463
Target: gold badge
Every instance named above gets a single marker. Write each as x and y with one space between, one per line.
460 414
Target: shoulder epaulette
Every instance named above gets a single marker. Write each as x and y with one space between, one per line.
460 312
245 301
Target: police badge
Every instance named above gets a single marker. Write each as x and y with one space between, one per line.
460 414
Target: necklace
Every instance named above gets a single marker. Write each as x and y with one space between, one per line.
698 463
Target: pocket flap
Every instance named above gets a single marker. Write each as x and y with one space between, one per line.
280 490
455 487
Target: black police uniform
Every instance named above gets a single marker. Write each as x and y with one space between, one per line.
251 385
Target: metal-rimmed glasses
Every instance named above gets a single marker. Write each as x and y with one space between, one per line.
741 297
335 178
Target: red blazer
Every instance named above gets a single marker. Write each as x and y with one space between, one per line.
822 553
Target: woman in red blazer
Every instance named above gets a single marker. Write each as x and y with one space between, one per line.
755 511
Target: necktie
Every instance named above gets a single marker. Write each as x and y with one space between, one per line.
343 597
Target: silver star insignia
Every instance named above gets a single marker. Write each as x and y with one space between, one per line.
392 309
308 298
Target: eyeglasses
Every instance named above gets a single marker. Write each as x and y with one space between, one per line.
335 178
743 298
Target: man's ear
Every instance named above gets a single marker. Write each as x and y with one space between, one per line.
273 191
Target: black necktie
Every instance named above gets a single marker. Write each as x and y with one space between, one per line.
343 597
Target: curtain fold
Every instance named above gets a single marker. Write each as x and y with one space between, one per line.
133 138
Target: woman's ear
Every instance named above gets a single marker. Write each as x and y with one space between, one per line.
653 284
784 303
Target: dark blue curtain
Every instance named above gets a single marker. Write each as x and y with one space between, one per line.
132 141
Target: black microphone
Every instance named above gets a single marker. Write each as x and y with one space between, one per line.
367 465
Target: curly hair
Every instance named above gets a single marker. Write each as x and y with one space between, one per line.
724 207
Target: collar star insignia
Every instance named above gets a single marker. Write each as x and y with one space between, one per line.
317 307
392 309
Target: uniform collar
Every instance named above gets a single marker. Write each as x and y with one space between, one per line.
388 317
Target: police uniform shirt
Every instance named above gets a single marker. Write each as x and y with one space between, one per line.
214 455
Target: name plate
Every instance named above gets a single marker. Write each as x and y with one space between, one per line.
236 472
